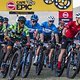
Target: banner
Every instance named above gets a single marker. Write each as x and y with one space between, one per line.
35 5
66 16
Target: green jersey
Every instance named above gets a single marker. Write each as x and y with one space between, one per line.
18 31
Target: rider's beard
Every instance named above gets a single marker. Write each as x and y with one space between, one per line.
21 25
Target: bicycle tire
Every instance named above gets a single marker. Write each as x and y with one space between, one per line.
25 74
11 77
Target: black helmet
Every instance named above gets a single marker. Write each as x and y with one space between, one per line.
22 18
6 19
1 19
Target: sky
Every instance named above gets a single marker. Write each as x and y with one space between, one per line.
76 3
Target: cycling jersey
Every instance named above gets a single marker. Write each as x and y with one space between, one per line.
2 31
72 29
33 28
2 28
16 32
7 26
47 30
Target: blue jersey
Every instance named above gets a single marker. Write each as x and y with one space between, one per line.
33 28
47 30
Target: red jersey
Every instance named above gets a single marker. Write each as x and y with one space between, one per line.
72 29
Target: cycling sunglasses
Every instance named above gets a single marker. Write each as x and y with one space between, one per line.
34 21
51 21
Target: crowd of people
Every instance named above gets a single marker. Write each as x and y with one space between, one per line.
31 29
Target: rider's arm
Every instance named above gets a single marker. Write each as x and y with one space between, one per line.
55 30
57 38
27 34
68 26
41 33
4 29
10 28
64 31
6 37
38 31
43 26
28 39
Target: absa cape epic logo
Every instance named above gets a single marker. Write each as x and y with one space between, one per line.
11 5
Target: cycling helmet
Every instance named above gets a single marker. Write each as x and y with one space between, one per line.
34 17
22 18
51 18
6 19
78 15
1 19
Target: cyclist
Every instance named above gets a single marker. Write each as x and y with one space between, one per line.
18 30
6 22
48 28
34 27
2 31
2 28
60 29
69 32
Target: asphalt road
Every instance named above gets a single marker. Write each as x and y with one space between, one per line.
46 74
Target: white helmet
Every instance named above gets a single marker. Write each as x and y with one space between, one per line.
78 15
51 18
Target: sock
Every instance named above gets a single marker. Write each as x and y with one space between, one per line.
59 64
36 58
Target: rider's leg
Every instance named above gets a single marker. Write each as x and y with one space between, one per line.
63 49
37 53
60 57
2 55
4 48
50 56
9 48
42 37
38 50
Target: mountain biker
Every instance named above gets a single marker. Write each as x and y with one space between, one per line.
2 28
69 32
6 20
48 27
2 34
34 27
60 29
19 30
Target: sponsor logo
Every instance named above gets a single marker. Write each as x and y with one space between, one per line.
65 15
11 5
